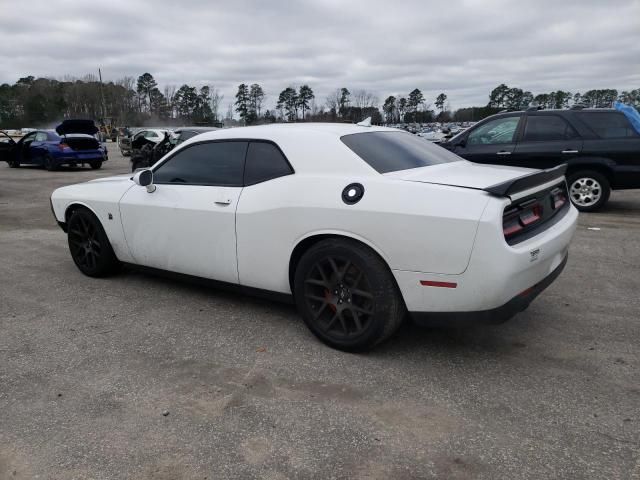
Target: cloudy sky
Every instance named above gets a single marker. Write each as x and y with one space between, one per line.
461 47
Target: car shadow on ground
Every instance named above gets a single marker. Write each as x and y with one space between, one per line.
468 339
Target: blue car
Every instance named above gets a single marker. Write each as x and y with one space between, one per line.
72 143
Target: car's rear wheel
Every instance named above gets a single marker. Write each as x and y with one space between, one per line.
49 164
347 295
95 165
89 245
588 190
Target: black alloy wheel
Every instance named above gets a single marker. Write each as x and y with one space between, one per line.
89 245
340 297
95 165
347 295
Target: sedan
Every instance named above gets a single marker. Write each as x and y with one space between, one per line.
72 143
358 225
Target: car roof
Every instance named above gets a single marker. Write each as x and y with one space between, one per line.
309 147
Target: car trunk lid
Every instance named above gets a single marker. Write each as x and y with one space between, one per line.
536 196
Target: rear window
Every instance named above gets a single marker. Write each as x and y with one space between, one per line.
394 151
608 124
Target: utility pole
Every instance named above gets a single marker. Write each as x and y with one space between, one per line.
104 108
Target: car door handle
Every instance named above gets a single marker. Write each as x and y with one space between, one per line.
569 151
223 201
503 152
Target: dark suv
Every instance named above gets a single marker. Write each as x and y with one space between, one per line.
600 147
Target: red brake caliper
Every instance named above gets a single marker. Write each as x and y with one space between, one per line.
327 296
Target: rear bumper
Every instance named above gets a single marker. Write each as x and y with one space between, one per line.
493 316
77 157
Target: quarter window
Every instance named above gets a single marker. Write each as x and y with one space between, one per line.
500 130
264 162
41 137
547 127
213 163
393 151
608 124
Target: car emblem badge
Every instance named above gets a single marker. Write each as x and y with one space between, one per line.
534 255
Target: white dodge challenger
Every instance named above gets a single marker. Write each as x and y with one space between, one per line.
358 225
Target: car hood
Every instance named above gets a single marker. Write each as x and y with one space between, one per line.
77 126
462 174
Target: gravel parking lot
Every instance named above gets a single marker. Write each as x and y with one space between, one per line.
141 377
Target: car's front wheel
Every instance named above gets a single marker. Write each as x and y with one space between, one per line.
89 245
14 163
589 190
95 165
347 295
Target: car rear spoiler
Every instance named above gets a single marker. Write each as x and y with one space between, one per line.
520 184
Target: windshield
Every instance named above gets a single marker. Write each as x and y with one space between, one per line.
393 151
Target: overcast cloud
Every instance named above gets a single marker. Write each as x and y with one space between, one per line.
461 47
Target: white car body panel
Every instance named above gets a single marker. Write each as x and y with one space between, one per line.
429 223
181 228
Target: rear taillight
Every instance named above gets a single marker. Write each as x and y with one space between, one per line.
558 198
517 219
62 146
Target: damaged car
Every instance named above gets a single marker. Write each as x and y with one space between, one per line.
72 143
146 152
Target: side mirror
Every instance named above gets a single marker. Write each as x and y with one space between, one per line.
144 178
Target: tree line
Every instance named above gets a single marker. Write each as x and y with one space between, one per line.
129 101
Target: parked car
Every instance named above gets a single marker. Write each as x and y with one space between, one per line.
149 152
185 133
599 146
72 143
356 224
141 138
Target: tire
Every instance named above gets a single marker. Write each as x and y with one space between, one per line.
589 190
95 165
89 246
14 163
49 164
347 295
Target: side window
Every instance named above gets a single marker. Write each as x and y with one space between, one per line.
608 124
29 138
41 137
214 163
547 127
500 130
4 138
150 134
264 162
